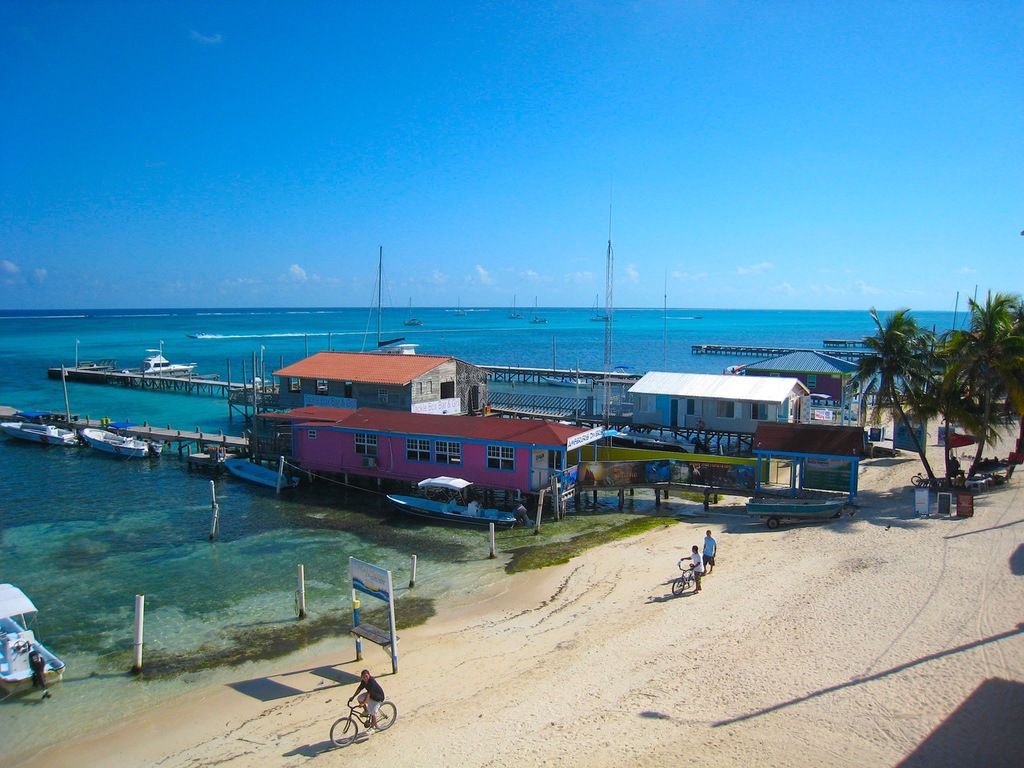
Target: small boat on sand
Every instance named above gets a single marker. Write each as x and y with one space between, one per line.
257 473
119 445
776 510
39 433
23 659
449 504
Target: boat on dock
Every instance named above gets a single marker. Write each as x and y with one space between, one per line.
776 510
156 364
445 501
119 445
46 434
257 473
23 659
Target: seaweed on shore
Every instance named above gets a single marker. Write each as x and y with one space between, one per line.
261 643
559 552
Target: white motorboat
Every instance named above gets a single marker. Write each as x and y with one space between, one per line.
119 445
39 433
156 364
19 649
257 473
449 504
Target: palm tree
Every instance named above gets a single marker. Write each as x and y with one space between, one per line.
899 372
989 355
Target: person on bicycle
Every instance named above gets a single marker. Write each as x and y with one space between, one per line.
697 567
371 699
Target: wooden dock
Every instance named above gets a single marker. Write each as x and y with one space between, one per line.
519 374
768 352
186 383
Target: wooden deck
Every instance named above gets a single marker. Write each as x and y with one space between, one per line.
767 352
187 383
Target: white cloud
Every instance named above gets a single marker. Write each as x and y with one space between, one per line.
205 39
581 278
297 273
483 276
39 275
9 267
967 271
755 269
437 277
632 275
690 277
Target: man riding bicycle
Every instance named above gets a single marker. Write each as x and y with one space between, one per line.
371 699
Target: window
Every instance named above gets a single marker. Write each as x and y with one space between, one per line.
447 389
382 396
726 409
759 411
417 449
311 434
446 452
366 444
294 384
321 386
501 457
691 406
554 460
812 381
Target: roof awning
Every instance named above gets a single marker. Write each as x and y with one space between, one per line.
447 483
13 602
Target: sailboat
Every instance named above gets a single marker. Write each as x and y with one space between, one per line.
459 311
512 314
598 317
382 343
537 318
412 320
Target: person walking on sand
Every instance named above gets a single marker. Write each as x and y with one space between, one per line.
371 699
710 547
697 567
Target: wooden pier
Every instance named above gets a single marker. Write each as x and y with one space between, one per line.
557 376
187 383
767 352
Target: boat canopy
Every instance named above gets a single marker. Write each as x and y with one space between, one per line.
448 483
14 602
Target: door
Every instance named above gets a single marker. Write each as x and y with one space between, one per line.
674 413
539 470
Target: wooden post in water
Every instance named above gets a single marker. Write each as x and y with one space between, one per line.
412 577
300 593
540 509
215 525
140 612
491 526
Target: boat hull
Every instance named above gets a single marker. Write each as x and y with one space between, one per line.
777 511
119 445
39 433
448 512
256 473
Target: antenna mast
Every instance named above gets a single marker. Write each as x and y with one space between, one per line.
609 305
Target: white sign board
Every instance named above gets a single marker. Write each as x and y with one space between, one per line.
584 438
922 505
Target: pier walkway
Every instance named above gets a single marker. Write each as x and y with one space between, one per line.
853 355
187 383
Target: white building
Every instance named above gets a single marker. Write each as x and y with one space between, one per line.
708 401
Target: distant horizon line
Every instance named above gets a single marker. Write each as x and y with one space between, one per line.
79 311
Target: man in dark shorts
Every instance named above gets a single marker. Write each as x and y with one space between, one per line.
371 699
710 547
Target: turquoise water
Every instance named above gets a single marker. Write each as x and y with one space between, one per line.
82 533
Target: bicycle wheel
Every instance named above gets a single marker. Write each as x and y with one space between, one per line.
387 713
919 481
678 586
344 731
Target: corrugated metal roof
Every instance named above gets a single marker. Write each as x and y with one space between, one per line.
804 361
522 431
808 439
366 367
761 389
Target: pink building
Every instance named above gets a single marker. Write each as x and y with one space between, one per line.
495 453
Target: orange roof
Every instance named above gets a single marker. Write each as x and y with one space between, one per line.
522 431
367 367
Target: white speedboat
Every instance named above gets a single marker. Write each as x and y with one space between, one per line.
18 644
39 433
449 504
156 364
257 473
119 445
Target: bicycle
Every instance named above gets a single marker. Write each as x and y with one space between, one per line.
921 480
346 728
684 582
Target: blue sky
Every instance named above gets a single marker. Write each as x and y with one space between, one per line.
753 155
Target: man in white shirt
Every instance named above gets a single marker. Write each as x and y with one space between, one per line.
698 566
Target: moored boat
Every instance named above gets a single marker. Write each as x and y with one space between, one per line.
39 433
119 445
19 649
451 506
156 364
777 510
257 473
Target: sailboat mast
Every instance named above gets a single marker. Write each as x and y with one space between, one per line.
380 278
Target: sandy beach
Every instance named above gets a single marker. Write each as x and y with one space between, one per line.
881 640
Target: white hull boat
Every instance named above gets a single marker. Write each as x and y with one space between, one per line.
119 445
24 661
257 473
158 365
39 433
450 505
